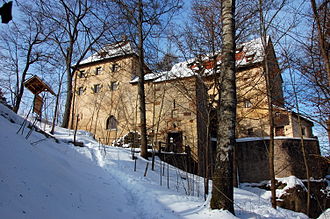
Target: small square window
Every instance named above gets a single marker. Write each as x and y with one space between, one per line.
81 74
114 67
187 113
113 85
247 104
80 91
249 58
250 132
133 74
98 70
103 54
96 88
279 131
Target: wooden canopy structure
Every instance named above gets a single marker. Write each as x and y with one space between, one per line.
36 85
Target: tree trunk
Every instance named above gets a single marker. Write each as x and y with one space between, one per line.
222 191
324 52
19 95
142 105
56 106
20 90
271 145
328 128
321 39
67 109
303 148
269 91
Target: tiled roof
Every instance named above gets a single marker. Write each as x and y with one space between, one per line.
246 54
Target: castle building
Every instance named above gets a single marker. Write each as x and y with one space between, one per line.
180 103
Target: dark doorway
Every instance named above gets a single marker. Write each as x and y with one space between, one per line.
174 142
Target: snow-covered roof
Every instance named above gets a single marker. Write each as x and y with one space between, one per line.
250 52
147 77
276 138
247 53
294 113
179 70
110 51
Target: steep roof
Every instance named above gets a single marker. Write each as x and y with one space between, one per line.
36 85
111 51
247 54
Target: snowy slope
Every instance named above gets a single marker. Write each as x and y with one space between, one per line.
40 178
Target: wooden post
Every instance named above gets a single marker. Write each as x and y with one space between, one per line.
164 157
145 172
160 173
193 186
135 165
75 129
168 176
153 160
105 152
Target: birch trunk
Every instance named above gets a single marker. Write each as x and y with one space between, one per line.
222 191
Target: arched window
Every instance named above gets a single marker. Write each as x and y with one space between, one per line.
111 123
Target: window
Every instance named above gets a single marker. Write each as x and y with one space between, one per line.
113 85
133 74
114 67
279 131
103 54
249 58
247 104
96 88
250 132
81 74
303 131
111 123
98 70
80 91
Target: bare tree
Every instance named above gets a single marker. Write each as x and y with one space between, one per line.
318 50
141 18
201 39
263 33
222 191
21 47
77 27
268 11
323 31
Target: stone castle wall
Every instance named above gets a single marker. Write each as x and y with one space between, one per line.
252 159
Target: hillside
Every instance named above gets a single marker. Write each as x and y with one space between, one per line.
43 178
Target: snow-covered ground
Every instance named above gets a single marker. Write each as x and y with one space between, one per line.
42 178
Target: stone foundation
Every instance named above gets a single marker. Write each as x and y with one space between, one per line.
252 159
